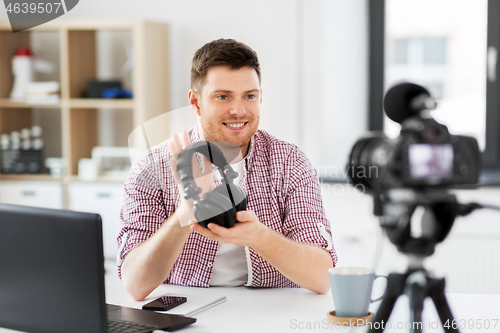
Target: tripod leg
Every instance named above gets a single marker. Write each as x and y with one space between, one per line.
417 296
442 307
383 313
395 285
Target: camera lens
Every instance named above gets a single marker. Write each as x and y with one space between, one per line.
368 161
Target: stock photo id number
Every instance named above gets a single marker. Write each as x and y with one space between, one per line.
26 14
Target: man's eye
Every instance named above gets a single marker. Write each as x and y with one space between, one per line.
223 97
250 96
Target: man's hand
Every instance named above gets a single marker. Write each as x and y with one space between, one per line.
303 263
203 177
248 231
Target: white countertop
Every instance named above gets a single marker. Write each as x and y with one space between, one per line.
297 310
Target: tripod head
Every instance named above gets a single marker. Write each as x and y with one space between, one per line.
396 207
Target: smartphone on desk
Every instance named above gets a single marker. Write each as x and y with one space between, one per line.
164 303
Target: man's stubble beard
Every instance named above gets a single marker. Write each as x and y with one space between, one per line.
216 135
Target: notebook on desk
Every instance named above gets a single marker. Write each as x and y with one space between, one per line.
52 276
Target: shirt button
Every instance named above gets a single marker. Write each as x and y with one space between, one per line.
209 264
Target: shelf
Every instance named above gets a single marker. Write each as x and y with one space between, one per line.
81 25
65 179
29 177
49 26
99 179
75 103
9 103
91 103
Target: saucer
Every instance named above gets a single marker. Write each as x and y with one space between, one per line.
349 321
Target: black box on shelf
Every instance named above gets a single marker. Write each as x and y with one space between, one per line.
95 88
21 161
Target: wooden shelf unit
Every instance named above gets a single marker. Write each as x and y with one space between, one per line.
78 64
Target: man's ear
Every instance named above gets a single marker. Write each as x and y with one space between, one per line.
261 96
194 101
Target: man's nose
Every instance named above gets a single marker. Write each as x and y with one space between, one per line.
238 109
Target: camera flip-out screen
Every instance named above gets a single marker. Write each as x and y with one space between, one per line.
431 160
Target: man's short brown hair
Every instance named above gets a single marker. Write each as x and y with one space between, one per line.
221 52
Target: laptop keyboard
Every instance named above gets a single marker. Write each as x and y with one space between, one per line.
122 326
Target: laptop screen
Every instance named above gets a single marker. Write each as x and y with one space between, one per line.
51 270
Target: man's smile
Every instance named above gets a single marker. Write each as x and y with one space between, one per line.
236 126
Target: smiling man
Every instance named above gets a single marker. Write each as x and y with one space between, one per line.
283 239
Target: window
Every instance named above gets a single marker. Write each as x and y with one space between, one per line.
449 47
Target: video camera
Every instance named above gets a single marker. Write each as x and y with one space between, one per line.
424 155
415 170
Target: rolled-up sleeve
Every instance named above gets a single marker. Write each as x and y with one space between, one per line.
305 219
147 201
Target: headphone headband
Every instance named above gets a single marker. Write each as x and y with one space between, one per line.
213 154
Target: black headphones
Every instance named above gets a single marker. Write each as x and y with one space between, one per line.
220 205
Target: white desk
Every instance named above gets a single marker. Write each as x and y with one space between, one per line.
295 310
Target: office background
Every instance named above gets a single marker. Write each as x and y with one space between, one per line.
315 67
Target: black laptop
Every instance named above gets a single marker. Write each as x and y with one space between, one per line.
52 276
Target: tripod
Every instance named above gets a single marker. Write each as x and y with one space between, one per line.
418 285
441 209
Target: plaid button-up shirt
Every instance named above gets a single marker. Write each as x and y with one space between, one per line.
283 190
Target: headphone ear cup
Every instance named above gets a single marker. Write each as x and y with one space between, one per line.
216 208
239 195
